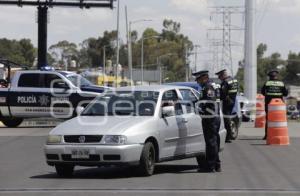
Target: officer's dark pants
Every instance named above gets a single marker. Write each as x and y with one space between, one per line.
228 117
266 124
211 128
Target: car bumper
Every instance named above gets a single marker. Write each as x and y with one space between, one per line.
98 155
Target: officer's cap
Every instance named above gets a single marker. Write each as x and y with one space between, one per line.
221 72
200 74
273 72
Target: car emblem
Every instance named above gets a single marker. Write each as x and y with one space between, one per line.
81 139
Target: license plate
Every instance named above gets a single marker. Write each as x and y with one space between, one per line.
80 153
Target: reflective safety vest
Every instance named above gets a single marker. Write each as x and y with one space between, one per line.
233 86
274 88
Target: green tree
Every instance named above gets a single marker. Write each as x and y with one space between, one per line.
292 69
21 52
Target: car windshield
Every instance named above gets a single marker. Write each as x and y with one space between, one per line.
78 80
137 103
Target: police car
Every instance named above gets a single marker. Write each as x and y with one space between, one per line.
39 93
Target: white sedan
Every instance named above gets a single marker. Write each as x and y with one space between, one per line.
131 126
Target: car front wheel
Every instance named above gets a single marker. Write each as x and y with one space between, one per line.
64 170
234 130
147 161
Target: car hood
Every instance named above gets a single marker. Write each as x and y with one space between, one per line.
93 125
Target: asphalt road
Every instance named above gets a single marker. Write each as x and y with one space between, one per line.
249 168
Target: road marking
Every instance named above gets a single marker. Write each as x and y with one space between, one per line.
70 190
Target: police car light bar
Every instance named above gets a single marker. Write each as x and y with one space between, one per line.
60 3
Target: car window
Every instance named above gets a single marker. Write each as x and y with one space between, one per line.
189 100
138 103
32 80
53 80
170 98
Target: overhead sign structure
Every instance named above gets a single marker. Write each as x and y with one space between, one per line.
42 6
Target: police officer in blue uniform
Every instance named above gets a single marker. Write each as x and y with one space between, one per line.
229 91
272 89
209 111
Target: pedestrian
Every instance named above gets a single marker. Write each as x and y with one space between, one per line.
209 111
272 89
228 93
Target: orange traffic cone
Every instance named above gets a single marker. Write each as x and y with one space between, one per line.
277 123
260 120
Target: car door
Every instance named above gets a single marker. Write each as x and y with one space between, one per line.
195 139
26 98
60 93
173 130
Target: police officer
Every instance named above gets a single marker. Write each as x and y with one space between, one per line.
274 88
229 91
209 111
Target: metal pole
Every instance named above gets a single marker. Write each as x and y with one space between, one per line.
128 45
42 36
118 44
104 60
130 52
196 56
142 59
186 63
250 52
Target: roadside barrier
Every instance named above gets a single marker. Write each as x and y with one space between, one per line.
260 120
277 123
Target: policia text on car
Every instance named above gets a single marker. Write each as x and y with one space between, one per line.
209 111
274 88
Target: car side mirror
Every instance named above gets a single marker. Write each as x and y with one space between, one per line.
79 110
168 111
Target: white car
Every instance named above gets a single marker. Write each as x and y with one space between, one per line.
137 126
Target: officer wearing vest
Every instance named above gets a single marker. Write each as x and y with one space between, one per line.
229 90
274 88
209 111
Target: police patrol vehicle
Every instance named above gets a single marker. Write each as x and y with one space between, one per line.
39 93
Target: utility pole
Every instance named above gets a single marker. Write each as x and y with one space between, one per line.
250 52
227 27
128 46
118 44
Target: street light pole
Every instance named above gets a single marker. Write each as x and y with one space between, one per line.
104 59
196 56
130 43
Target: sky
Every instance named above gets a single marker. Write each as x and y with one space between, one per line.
277 22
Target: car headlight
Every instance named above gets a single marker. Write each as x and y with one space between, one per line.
54 139
114 139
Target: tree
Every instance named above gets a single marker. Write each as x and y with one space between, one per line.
22 52
64 52
168 41
91 52
292 69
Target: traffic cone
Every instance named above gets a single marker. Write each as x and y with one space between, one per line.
260 119
277 123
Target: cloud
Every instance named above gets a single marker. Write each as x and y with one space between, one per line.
296 40
281 6
195 6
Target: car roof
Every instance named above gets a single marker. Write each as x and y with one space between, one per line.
42 71
157 88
